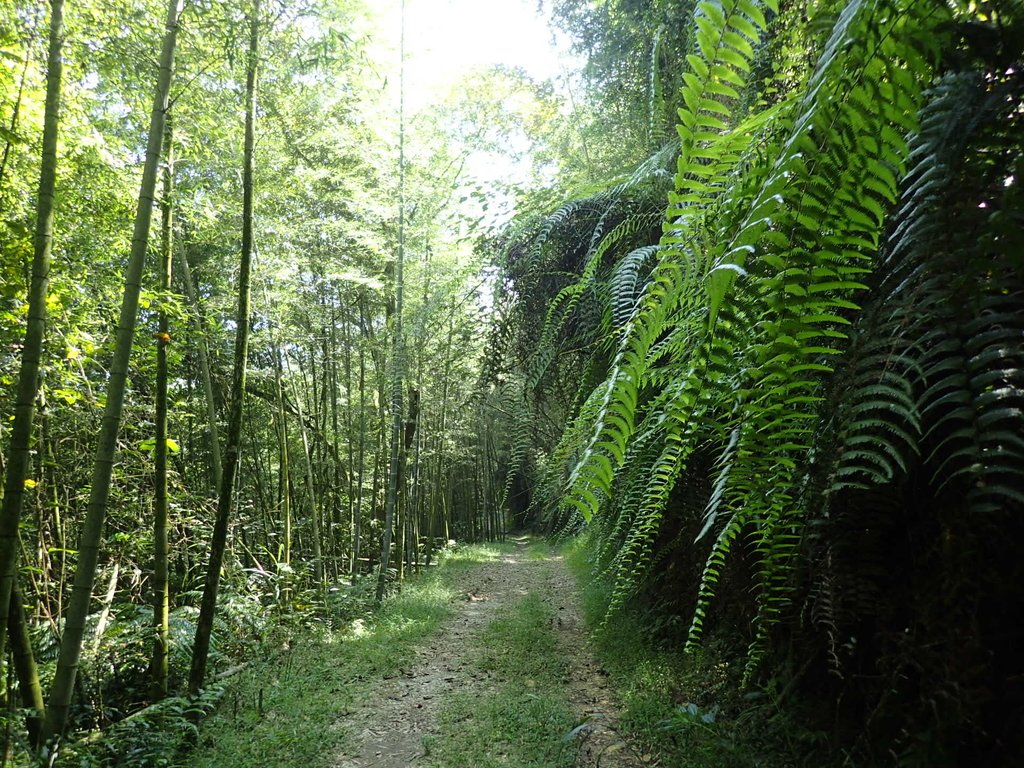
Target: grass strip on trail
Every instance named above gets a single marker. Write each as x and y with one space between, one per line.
520 716
285 712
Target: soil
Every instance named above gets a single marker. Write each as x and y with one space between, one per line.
390 726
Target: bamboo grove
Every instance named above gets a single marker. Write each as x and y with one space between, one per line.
199 447
798 327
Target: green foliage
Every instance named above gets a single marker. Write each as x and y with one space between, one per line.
818 361
765 242
585 237
927 403
684 708
152 738
635 59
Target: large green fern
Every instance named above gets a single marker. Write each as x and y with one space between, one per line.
774 221
740 412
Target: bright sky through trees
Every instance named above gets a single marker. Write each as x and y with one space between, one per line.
446 39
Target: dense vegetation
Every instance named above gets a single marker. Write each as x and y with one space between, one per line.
799 331
269 126
754 335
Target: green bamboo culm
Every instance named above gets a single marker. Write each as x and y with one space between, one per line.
25 666
398 362
161 592
233 443
103 464
28 378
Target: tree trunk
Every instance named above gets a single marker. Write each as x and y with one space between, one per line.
25 665
103 465
340 556
349 441
357 529
202 348
408 509
318 569
16 112
208 607
28 377
417 494
392 497
161 595
399 352
437 493
284 553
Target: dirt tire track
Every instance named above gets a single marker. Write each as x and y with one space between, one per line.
599 743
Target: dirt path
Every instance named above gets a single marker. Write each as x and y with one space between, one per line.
391 725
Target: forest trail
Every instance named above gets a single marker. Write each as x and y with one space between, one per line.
393 727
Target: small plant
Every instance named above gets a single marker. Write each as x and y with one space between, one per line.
152 738
690 715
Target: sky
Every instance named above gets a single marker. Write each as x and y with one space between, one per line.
444 39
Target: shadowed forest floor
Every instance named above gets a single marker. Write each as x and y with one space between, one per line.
484 662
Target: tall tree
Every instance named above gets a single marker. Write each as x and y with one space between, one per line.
28 380
161 595
311 494
208 607
284 555
391 501
25 665
103 463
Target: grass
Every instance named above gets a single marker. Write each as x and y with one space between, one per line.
687 710
288 710
539 549
522 716
285 710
